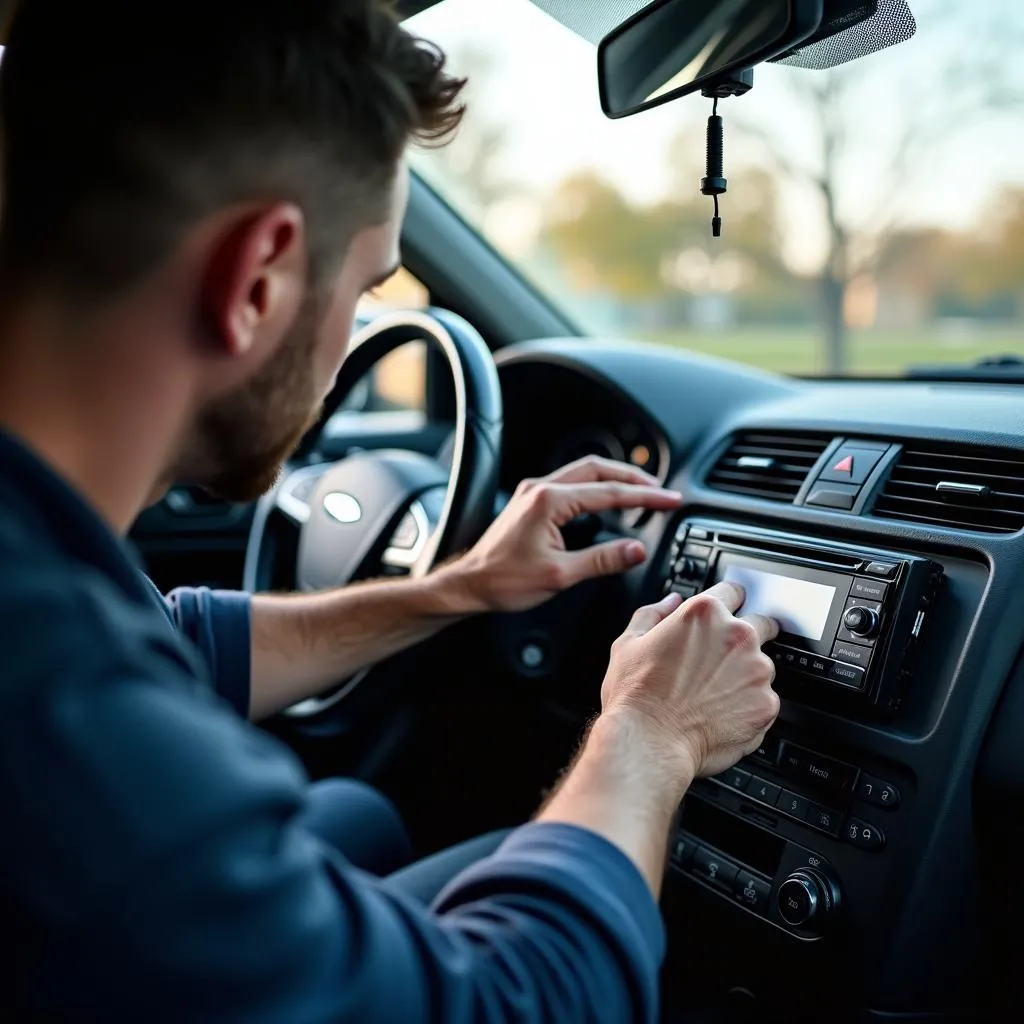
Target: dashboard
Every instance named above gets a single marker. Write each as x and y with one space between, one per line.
860 865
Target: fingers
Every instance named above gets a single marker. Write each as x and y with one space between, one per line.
732 595
593 469
766 629
567 501
602 560
646 618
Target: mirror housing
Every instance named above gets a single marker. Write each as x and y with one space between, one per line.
672 48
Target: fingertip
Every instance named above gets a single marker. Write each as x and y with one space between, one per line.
635 552
670 602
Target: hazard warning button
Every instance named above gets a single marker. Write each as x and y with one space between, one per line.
851 465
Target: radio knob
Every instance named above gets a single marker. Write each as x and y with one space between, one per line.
806 899
861 621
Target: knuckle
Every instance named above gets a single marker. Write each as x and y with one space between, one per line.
540 495
700 608
741 636
525 486
555 576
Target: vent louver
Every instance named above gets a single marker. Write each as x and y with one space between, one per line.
772 466
958 486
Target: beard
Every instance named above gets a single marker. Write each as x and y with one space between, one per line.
241 441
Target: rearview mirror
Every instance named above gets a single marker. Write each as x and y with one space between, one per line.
675 47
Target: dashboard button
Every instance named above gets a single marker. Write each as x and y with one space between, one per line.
884 569
752 891
698 533
826 774
684 591
868 590
763 790
820 666
697 551
851 464
863 835
682 851
877 792
768 752
852 654
824 818
793 804
841 496
713 868
734 778
792 760
848 675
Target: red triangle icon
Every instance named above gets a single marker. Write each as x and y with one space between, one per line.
844 465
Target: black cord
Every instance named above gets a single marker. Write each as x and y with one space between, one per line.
714 107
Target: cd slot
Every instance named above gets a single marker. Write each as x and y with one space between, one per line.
829 559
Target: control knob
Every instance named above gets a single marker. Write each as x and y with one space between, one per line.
861 621
806 899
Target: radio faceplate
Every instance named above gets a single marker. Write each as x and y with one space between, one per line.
851 617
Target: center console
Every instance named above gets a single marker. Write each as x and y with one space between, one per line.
801 838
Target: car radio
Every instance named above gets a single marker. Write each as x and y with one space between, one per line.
849 618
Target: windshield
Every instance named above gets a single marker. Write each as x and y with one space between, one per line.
875 213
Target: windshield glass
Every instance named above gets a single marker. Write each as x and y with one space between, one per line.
874 218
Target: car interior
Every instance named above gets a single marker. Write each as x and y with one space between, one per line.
861 865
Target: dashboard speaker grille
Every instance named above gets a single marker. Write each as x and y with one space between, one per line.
958 486
772 466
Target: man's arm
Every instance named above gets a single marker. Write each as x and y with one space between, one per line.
302 644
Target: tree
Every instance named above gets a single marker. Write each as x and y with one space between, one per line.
955 80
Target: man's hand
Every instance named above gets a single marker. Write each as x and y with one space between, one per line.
522 559
695 678
688 692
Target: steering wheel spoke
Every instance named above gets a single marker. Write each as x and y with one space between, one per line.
294 492
346 512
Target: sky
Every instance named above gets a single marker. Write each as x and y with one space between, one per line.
542 88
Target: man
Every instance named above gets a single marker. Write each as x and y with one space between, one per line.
190 212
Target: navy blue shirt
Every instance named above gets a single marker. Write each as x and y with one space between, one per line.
151 864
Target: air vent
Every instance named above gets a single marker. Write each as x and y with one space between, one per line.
979 489
769 466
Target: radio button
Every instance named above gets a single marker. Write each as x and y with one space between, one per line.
820 666
685 592
752 891
878 793
768 752
712 868
699 533
824 773
682 850
792 803
825 819
883 569
861 621
852 654
860 834
734 778
869 590
697 550
848 675
763 790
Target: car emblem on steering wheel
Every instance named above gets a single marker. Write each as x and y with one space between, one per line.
342 507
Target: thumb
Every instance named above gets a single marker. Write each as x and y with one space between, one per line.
604 560
646 618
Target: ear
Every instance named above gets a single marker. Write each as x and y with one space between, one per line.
256 280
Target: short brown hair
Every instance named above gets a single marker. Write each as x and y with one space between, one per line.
122 125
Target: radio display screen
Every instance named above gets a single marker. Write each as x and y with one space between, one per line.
806 603
800 607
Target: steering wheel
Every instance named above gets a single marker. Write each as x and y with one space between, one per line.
389 510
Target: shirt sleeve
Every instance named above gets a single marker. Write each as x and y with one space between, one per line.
218 623
170 881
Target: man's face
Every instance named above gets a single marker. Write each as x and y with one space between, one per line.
242 439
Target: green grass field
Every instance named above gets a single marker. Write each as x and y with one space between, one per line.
869 352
